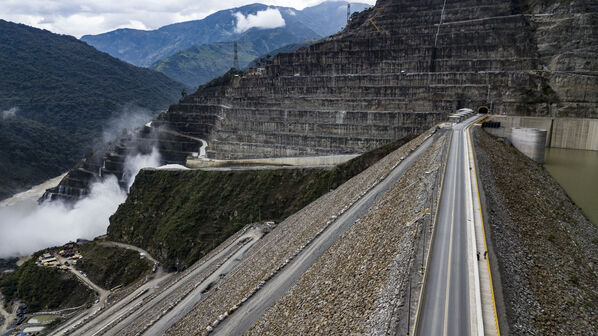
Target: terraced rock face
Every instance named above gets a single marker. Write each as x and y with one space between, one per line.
399 68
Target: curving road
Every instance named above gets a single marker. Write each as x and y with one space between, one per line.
115 319
447 306
77 323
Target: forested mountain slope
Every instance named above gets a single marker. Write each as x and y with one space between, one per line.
56 94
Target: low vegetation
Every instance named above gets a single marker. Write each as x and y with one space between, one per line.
109 266
179 216
44 288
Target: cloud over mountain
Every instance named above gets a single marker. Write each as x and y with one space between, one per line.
266 19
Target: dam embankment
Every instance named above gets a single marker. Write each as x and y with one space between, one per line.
540 242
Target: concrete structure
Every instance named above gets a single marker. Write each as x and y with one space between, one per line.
461 115
328 160
569 133
530 141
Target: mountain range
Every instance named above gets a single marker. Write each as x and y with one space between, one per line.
57 95
194 52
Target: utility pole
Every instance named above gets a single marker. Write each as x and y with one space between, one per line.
348 12
236 59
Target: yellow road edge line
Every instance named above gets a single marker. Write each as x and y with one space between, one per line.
475 171
419 300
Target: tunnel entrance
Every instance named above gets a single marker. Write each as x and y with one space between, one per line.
483 109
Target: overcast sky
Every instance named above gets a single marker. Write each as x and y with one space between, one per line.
80 17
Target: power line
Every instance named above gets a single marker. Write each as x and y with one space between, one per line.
236 59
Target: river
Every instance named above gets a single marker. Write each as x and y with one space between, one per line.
577 173
30 197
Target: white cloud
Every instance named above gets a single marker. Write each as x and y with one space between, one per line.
268 18
80 17
134 24
26 226
11 112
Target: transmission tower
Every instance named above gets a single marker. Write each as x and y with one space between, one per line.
348 12
236 59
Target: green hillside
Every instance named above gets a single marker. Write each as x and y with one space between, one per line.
200 64
56 93
44 288
179 216
110 266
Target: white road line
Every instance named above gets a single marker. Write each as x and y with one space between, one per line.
476 304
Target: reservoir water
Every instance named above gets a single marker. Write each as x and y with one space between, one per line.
577 173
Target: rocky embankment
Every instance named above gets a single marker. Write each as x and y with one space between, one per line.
358 284
153 314
546 249
284 243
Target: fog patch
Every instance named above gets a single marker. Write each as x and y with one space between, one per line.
11 112
27 227
125 122
266 19
133 164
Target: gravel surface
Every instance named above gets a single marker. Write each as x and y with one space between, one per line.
547 250
137 327
356 285
283 243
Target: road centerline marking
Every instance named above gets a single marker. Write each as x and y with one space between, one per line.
450 251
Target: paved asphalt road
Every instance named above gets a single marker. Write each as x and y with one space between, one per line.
134 306
191 300
244 317
445 309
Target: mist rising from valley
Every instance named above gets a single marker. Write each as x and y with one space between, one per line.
26 226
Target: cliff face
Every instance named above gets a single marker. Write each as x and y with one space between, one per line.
401 67
566 37
396 69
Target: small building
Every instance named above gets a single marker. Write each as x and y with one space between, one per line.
256 71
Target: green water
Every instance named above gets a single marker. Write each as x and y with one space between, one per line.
577 173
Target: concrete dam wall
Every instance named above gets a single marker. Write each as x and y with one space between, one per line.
569 133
